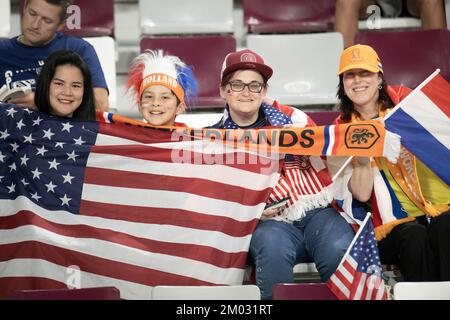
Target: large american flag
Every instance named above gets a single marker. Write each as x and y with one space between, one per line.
89 204
359 275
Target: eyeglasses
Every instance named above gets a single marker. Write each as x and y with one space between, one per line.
254 86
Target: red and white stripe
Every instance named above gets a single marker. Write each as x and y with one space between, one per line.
331 149
347 283
144 221
302 185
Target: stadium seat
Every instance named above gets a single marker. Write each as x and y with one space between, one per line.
100 293
106 52
205 54
390 23
275 16
439 290
186 17
304 65
409 57
5 19
302 291
399 22
89 18
304 272
245 292
305 267
323 118
447 13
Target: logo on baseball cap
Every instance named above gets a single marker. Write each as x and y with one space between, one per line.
245 59
360 57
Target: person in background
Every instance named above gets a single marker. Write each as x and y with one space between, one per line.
307 228
384 188
22 57
64 87
348 12
161 86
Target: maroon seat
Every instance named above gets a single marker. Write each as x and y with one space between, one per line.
409 57
96 18
287 16
302 291
323 118
205 54
100 293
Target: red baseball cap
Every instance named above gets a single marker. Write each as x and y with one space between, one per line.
245 59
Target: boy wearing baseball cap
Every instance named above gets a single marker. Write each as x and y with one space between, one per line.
307 227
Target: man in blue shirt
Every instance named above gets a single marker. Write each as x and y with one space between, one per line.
22 57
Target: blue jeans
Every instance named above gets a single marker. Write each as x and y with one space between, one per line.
322 236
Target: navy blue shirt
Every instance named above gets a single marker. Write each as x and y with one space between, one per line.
20 64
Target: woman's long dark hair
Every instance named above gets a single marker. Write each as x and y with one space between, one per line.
346 105
86 110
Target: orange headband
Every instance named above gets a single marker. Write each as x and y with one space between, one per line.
160 79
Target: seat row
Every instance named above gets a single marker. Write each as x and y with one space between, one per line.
283 291
304 64
204 17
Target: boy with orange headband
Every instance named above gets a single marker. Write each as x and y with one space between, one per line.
162 86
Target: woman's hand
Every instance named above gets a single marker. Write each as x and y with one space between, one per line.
362 179
272 212
27 101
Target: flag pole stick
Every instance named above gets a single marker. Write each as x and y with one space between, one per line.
342 168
